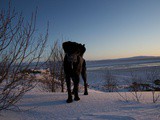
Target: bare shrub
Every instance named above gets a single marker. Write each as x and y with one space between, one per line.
19 50
110 81
123 96
135 87
153 75
48 84
145 82
55 65
155 96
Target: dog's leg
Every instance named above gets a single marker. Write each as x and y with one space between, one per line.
68 82
76 85
84 77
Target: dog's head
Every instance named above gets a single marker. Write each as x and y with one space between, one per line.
73 50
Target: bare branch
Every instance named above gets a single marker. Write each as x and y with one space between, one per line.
17 54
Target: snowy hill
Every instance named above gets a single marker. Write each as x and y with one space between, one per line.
120 61
96 106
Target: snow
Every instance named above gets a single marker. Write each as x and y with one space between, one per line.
96 106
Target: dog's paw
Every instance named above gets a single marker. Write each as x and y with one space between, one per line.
76 98
85 93
69 100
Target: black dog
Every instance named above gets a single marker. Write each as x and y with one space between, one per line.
74 65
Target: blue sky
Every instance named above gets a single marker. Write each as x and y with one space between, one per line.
109 28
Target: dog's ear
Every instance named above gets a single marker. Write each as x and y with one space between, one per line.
66 46
82 49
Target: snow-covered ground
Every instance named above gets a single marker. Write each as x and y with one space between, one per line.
96 106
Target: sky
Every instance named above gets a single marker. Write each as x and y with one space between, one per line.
109 28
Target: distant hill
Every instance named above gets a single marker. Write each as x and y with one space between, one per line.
142 57
135 59
129 58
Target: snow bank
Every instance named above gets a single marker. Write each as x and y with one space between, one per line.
96 106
